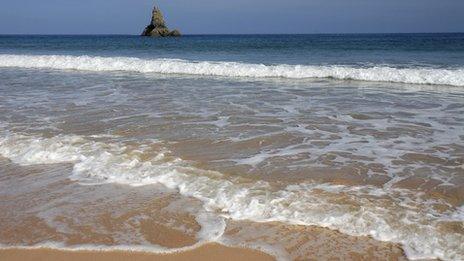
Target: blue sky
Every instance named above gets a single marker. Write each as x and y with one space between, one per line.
232 16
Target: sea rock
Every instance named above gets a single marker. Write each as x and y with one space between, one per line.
157 26
175 33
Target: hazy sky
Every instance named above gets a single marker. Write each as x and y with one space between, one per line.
232 16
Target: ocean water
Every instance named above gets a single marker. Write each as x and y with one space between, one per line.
244 140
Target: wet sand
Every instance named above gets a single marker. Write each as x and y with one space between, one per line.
206 252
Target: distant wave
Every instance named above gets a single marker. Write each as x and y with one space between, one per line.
452 77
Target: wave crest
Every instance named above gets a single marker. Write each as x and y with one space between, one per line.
452 77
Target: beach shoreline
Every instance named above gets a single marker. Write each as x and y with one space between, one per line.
319 147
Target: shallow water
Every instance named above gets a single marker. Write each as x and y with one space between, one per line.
114 150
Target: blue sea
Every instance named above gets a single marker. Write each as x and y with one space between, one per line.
263 141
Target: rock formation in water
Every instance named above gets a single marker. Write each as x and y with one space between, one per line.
157 26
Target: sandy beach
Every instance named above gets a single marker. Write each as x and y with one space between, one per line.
206 252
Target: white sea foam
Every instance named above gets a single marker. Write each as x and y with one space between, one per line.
452 77
405 218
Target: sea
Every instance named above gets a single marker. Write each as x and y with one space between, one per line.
302 146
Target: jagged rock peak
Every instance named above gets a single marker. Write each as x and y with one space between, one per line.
157 26
157 18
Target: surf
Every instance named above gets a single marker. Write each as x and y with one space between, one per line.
426 76
107 160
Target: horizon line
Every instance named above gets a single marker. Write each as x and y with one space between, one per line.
228 34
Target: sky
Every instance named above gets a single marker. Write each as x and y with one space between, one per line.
232 16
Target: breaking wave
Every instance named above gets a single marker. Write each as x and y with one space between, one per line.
452 77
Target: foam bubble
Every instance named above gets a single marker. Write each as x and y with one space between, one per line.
452 77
